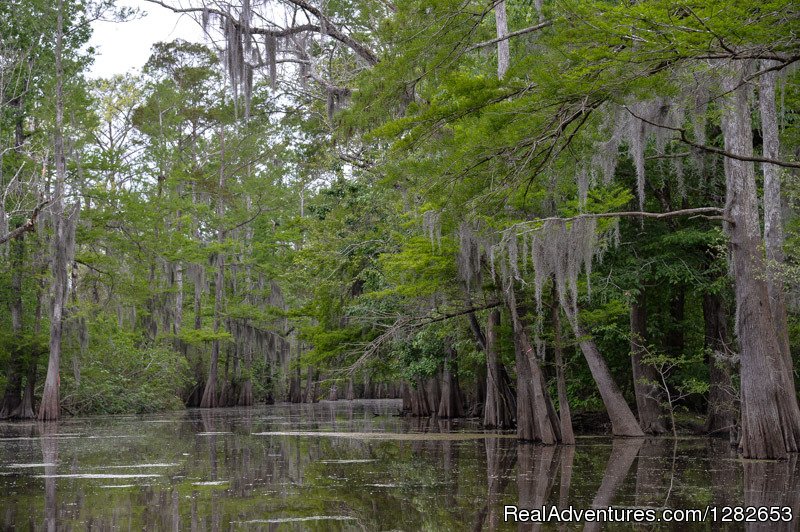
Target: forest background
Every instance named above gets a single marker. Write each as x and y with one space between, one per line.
551 215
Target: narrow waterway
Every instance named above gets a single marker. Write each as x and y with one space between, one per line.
348 465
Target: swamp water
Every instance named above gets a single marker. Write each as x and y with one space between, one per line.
349 465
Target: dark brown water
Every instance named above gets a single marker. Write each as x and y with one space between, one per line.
350 466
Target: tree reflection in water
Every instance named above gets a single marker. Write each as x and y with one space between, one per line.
215 470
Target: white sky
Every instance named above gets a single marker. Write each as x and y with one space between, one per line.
122 47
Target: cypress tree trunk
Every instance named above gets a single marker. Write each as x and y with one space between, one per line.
499 408
210 399
309 389
406 393
503 53
450 403
295 394
721 416
25 409
419 402
433 392
564 413
351 394
773 215
770 414
178 314
623 422
526 419
542 423
648 397
49 409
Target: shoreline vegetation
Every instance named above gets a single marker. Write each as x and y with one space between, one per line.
552 218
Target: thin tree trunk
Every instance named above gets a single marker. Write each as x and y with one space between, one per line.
770 414
433 392
503 53
210 399
406 392
499 408
178 315
648 396
623 422
450 403
564 413
49 409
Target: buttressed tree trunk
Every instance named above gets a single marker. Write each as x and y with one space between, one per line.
49 409
770 415
499 408
721 394
537 421
450 403
419 402
648 396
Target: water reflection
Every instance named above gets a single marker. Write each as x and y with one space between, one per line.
269 468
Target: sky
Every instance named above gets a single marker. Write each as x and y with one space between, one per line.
124 46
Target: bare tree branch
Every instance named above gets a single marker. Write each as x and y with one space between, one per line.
713 213
685 139
330 28
523 31
27 226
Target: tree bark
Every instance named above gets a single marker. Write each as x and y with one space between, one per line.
770 414
503 53
773 214
648 396
419 402
49 409
537 421
450 402
406 392
210 399
564 413
499 407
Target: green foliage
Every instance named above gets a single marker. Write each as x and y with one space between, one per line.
118 377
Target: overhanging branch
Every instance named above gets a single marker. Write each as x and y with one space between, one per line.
711 149
712 213
27 226
523 31
330 28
